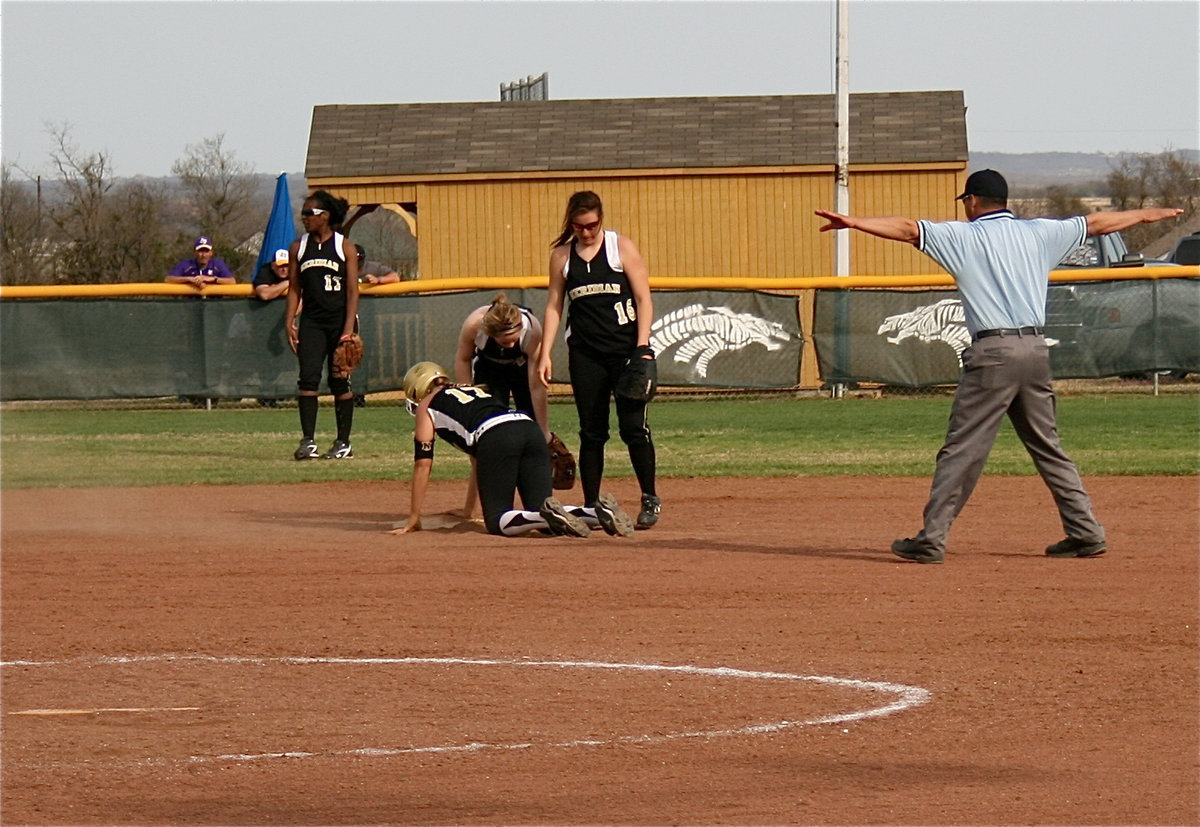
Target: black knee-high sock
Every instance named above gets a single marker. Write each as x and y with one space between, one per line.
644 461
591 471
308 415
343 411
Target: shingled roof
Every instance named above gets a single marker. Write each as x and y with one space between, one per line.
352 140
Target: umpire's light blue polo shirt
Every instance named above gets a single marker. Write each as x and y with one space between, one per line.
1001 263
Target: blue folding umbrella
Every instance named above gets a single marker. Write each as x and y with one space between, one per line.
281 226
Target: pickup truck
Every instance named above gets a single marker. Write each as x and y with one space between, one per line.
1187 251
1122 328
1106 251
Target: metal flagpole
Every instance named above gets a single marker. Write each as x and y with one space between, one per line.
842 174
841 192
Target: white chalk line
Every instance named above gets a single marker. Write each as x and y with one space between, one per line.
906 697
99 709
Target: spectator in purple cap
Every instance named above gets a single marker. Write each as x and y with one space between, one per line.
203 268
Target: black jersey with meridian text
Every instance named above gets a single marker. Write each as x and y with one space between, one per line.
323 279
459 412
602 315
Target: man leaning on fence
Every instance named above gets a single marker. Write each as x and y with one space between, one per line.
1001 265
271 280
202 268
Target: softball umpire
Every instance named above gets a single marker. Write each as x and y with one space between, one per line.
1001 265
608 324
323 287
508 454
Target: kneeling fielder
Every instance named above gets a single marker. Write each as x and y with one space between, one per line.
509 454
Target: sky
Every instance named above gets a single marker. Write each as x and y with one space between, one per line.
142 81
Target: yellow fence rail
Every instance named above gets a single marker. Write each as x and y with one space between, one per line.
90 291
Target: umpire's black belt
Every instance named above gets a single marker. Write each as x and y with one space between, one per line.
1011 331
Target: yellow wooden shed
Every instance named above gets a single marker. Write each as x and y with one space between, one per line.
706 186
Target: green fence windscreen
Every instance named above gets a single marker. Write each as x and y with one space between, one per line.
116 348
1095 329
236 347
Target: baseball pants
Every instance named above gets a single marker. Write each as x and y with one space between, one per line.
1005 375
315 351
512 458
593 377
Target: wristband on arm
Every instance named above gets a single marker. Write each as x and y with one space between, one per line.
422 450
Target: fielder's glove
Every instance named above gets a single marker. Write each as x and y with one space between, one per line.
639 379
347 356
562 464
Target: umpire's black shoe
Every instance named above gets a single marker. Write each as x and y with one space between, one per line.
916 551
308 450
612 517
562 522
648 516
1071 547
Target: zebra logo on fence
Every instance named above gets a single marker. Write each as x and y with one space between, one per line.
941 322
703 332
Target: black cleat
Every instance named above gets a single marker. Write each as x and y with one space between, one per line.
307 450
339 450
648 516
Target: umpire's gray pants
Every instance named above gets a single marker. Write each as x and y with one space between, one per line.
1004 375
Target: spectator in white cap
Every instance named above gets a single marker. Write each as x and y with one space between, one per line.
202 269
271 280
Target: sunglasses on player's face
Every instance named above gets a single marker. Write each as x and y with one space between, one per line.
590 227
311 211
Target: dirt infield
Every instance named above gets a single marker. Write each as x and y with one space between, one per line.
258 655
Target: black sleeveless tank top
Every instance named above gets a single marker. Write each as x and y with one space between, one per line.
602 315
323 280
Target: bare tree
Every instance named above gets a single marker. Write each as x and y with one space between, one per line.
1166 179
103 231
24 251
138 232
78 215
1053 202
221 190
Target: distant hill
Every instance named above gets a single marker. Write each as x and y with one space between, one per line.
1027 173
1038 170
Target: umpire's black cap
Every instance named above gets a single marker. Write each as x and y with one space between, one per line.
986 183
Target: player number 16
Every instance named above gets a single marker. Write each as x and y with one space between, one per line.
626 311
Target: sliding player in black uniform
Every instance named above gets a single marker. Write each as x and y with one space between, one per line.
509 455
610 313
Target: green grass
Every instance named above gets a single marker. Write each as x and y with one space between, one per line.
1138 435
